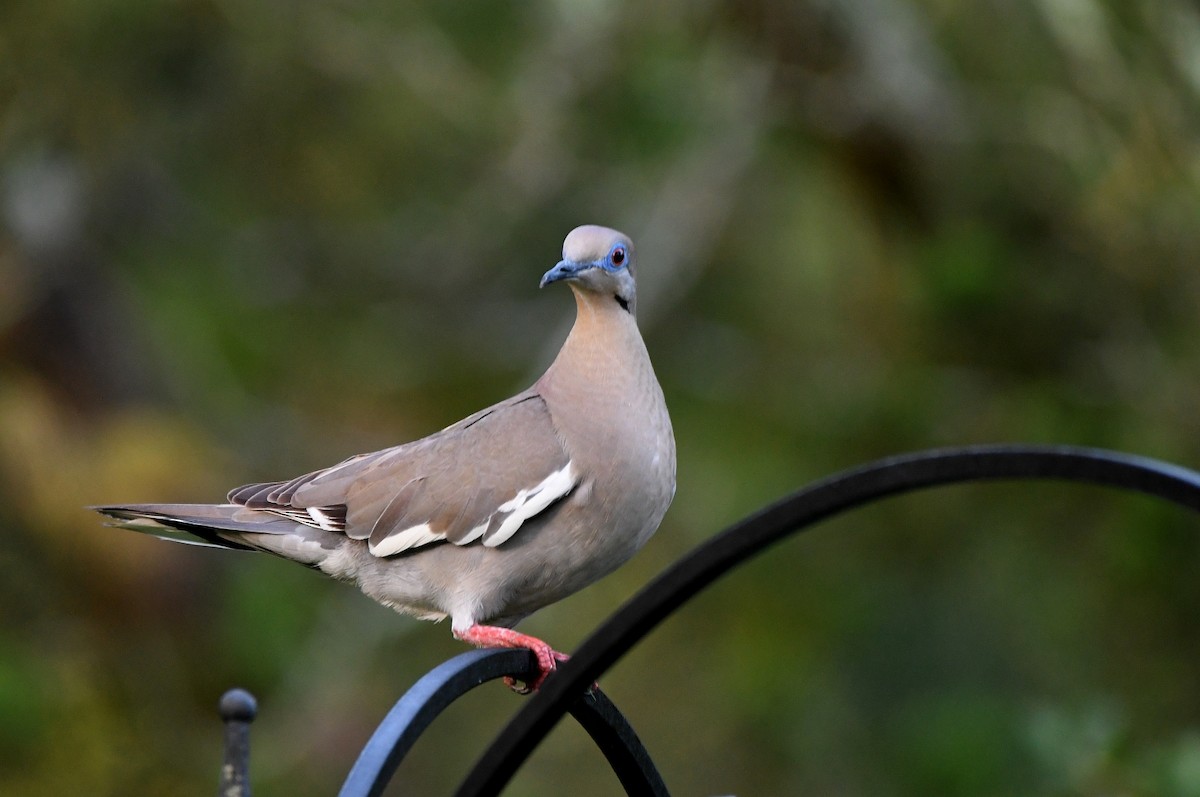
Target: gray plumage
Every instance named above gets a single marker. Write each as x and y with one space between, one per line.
500 514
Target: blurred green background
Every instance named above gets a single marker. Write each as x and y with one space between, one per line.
241 240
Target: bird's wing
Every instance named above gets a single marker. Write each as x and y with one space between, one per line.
477 480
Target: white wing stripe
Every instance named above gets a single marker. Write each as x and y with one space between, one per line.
524 505
322 519
475 533
412 537
527 503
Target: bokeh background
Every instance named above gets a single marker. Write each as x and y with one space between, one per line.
241 240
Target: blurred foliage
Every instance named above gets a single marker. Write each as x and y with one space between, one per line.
243 240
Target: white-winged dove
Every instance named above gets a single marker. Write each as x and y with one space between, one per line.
506 511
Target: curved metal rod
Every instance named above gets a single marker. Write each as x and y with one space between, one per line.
818 501
452 679
419 706
615 737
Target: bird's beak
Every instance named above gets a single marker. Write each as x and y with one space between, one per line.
564 270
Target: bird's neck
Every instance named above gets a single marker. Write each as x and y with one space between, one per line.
604 350
600 314
602 388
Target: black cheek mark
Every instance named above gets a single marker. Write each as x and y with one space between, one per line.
623 302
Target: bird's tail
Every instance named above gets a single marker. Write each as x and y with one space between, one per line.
211 525
228 526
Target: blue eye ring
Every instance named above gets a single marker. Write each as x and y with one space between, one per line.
618 256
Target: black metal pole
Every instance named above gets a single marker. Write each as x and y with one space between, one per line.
238 709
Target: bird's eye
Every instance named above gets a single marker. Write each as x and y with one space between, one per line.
617 255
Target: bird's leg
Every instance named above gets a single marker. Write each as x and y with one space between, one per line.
491 636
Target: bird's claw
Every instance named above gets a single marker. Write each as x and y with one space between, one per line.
546 665
517 686
493 636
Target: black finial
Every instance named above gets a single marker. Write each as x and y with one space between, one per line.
238 709
238 705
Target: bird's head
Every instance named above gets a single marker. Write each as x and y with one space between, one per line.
600 261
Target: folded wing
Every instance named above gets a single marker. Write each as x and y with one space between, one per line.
476 481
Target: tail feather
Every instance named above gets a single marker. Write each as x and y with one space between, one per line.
211 525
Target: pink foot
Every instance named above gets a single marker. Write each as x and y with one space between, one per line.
491 636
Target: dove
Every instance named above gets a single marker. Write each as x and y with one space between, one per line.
494 517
